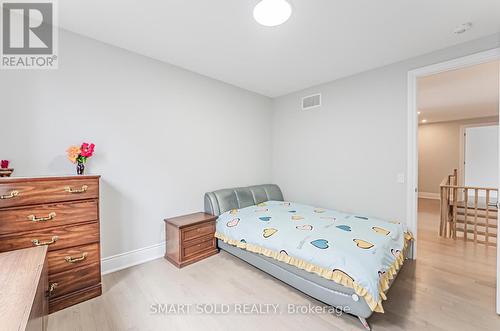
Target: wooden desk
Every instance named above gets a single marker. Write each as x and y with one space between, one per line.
23 288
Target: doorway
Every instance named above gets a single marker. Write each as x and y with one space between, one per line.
413 161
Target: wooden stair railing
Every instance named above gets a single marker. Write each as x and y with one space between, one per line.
468 212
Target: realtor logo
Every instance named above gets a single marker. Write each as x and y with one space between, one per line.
29 36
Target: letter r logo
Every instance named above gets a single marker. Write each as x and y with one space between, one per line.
27 28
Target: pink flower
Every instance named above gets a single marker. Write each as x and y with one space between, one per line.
87 150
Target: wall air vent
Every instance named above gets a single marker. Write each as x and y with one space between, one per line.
311 101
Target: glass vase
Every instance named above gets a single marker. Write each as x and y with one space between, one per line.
80 168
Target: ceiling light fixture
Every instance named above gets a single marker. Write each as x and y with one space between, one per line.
424 121
462 28
272 12
418 113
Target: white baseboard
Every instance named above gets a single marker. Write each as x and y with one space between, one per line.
428 195
128 259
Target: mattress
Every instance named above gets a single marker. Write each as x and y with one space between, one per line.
350 251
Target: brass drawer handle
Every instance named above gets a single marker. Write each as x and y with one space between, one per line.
70 259
12 194
33 218
81 190
37 242
52 287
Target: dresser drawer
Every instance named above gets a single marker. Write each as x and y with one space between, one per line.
198 245
73 280
55 238
47 191
74 257
197 231
74 298
34 218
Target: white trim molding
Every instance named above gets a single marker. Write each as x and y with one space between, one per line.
129 259
428 195
412 127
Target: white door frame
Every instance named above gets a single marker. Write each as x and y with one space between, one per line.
412 157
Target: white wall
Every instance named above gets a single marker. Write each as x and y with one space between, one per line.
163 135
347 154
439 151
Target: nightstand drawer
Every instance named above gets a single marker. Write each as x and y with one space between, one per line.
198 245
45 216
197 231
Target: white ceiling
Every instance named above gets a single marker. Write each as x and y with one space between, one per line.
323 40
465 93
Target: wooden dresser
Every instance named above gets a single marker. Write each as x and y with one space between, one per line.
61 213
24 286
190 238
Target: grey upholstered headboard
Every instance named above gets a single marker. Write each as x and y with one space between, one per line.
218 202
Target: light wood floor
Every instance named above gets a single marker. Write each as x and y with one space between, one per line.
451 287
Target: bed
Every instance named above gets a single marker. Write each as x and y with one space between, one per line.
344 260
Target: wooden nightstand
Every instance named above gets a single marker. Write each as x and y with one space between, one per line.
190 238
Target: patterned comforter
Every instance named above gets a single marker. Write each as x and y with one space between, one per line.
359 252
